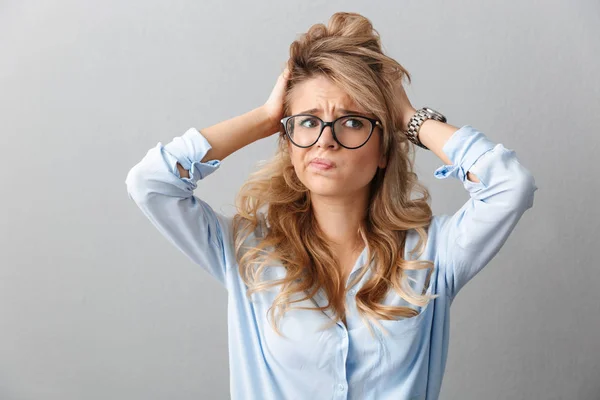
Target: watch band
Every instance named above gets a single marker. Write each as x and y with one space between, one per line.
414 124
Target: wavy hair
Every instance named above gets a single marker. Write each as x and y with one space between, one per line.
348 52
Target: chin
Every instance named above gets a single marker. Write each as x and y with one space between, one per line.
326 188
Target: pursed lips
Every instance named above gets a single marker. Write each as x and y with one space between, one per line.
322 162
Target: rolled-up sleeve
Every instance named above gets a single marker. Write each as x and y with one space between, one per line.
474 234
168 200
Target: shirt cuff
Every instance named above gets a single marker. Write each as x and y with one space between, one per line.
188 149
463 148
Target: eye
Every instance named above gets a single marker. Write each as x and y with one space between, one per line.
309 122
353 123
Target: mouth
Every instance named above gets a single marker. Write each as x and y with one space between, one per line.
322 164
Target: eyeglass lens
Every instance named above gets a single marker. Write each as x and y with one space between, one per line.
351 131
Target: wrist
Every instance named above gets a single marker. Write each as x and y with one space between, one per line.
264 122
271 122
406 116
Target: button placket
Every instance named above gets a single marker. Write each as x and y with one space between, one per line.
343 346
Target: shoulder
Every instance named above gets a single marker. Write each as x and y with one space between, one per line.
432 240
256 235
435 223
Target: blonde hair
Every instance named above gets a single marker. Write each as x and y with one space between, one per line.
348 52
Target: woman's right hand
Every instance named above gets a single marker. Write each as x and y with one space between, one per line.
274 104
228 136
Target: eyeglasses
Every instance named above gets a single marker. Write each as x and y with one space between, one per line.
350 131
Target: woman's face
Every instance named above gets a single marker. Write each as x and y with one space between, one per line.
353 169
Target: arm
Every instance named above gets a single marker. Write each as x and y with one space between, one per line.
162 185
229 136
434 135
502 192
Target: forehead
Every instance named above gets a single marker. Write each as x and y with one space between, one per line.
319 95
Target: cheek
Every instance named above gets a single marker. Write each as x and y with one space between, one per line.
364 169
297 157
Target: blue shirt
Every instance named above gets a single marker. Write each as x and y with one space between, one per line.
344 361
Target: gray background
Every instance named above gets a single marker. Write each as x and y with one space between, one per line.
95 304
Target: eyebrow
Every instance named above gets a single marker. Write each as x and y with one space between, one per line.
343 110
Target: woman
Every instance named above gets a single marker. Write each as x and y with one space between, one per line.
340 280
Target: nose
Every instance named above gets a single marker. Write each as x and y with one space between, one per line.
326 139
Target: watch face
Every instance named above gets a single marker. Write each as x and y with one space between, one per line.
439 115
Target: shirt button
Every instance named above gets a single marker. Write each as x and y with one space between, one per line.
341 386
352 292
344 334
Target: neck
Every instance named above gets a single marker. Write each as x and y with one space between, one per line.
340 217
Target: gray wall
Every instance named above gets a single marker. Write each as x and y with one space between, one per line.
95 304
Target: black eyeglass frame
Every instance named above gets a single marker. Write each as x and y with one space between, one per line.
374 123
